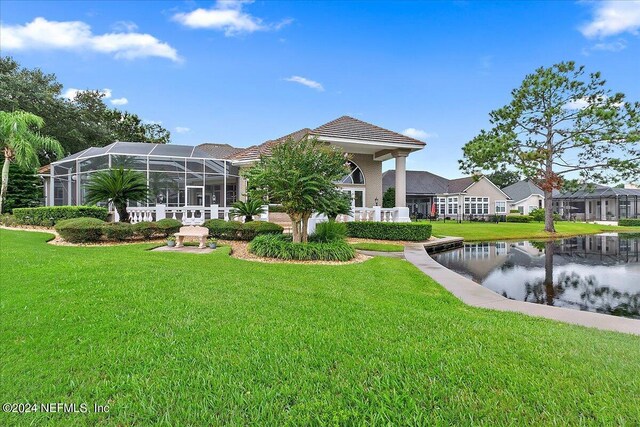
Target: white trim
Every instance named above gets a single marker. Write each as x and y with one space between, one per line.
366 142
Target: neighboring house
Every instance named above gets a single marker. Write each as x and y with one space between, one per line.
182 176
461 198
525 197
597 203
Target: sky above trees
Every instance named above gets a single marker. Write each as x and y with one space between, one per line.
243 72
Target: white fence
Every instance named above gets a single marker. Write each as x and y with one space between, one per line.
188 215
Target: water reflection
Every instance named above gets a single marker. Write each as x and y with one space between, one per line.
598 273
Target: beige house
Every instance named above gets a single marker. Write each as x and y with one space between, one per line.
430 195
525 197
196 183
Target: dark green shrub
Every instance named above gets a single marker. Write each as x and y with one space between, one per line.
48 216
281 247
630 222
233 230
146 229
81 230
252 229
413 231
537 215
118 231
514 211
518 218
276 208
168 226
221 229
329 231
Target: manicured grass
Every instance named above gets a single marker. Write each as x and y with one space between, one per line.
192 339
477 231
379 247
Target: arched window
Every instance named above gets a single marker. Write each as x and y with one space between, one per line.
355 177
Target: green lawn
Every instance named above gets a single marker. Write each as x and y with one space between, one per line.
379 247
476 231
189 339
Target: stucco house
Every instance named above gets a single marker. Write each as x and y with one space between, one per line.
204 181
461 198
525 196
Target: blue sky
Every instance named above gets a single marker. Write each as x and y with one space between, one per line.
243 72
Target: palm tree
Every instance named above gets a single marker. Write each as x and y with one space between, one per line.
20 143
247 209
117 186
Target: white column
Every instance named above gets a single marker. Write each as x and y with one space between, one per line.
214 211
401 179
161 212
377 213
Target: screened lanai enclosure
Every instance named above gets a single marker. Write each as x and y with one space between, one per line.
598 203
178 177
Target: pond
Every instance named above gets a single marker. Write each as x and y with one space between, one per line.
599 273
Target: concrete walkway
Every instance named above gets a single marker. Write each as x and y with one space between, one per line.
381 253
473 294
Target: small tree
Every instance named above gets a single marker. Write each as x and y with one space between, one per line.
504 178
247 209
560 122
301 175
117 186
21 143
389 198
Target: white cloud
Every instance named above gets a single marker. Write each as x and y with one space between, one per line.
120 101
418 134
613 17
306 82
227 16
72 92
124 26
181 129
41 34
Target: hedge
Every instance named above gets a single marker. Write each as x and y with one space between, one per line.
81 230
518 218
233 230
281 247
413 231
630 222
168 226
50 215
118 231
146 229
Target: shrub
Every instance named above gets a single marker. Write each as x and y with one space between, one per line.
80 230
7 220
252 229
50 215
630 222
146 229
518 218
276 208
414 231
537 215
233 230
514 211
168 226
229 230
118 231
281 247
329 231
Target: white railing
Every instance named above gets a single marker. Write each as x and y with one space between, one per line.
188 215
376 214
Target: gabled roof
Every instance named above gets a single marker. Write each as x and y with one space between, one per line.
522 190
418 182
458 185
219 151
350 128
344 127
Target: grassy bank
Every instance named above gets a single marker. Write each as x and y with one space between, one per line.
188 339
475 231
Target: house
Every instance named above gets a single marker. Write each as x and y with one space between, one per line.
207 178
597 203
461 198
525 197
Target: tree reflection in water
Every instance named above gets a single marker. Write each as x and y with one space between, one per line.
593 296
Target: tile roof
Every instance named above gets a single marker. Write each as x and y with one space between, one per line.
219 151
343 127
521 190
348 127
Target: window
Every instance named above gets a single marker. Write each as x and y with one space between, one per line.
521 210
532 208
476 205
442 205
355 177
501 207
452 206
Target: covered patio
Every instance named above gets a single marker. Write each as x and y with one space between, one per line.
599 203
